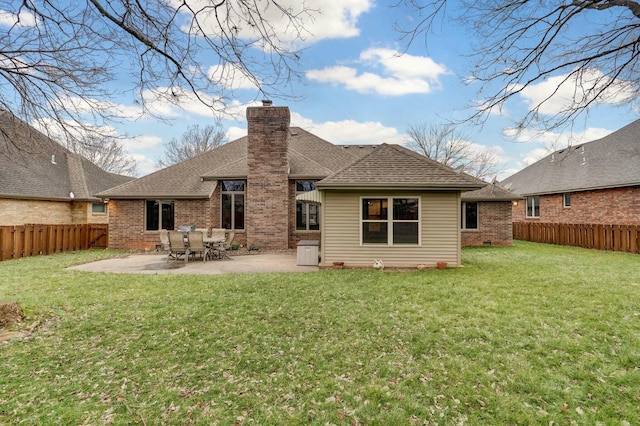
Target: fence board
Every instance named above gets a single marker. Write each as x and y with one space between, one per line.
33 240
624 238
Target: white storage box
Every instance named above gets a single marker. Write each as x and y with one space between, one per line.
308 253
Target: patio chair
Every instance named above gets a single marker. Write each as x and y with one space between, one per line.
196 244
219 249
164 243
177 245
205 231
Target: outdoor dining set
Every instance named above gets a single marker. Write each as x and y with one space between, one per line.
185 243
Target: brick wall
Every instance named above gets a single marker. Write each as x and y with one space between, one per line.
129 215
494 226
267 192
20 212
619 206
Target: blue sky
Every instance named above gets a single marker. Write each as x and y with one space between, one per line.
357 89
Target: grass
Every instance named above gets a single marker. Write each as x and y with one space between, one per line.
533 334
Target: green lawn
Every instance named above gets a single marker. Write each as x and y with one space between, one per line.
532 334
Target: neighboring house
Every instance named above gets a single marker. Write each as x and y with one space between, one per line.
486 218
41 182
280 184
596 182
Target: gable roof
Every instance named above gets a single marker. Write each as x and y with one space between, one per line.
309 156
393 166
609 162
32 166
490 192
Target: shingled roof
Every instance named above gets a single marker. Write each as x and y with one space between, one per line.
32 166
393 166
310 157
490 192
609 162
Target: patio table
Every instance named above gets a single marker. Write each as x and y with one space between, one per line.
214 242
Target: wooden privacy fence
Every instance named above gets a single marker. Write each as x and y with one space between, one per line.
32 240
624 238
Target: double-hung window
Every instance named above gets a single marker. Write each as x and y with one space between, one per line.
533 206
390 221
469 215
307 214
159 215
233 204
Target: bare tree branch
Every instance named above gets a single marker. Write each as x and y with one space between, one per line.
585 51
195 141
446 144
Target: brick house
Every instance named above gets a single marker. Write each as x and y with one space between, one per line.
596 182
41 182
257 185
485 217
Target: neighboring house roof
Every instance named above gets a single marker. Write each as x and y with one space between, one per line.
309 156
393 166
609 162
32 166
490 192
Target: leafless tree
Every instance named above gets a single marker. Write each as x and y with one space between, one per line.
195 141
106 152
59 60
446 144
586 51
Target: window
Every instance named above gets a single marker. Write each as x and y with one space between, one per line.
566 199
469 216
401 225
307 214
99 208
233 204
533 206
159 215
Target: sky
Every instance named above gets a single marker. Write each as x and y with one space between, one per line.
358 87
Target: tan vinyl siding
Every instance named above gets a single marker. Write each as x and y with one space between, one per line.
440 233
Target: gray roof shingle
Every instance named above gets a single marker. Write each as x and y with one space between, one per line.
392 166
490 192
32 166
609 162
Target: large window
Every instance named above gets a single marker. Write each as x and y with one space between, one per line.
390 221
469 215
159 215
233 204
307 214
533 206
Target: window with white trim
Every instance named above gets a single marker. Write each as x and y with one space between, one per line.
99 208
390 220
159 215
233 204
469 217
533 206
566 200
307 214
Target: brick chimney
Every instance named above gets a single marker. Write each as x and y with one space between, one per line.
267 203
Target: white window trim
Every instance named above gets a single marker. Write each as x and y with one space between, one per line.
306 207
233 201
564 200
390 220
532 197
464 216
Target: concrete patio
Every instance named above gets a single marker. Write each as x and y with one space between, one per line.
157 264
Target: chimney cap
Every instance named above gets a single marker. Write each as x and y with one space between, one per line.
267 102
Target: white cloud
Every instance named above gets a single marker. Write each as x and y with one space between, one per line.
230 77
560 93
533 156
24 19
350 131
317 19
554 140
402 74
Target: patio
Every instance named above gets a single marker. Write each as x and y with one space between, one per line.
157 264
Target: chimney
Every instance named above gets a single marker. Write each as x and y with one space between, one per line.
267 202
